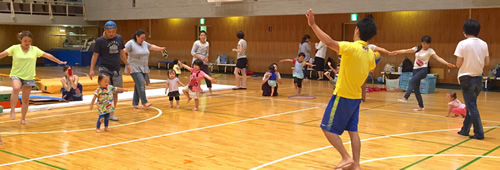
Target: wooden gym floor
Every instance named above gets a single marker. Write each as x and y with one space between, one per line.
243 130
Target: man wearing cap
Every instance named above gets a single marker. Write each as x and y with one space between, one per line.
110 49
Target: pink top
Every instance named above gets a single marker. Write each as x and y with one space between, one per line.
456 104
195 79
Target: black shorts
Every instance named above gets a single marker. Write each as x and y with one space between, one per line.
298 81
320 64
241 63
173 94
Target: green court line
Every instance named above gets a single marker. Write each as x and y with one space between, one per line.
40 162
444 150
468 163
410 139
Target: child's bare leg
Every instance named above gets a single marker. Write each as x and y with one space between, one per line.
296 88
299 90
177 101
1 142
172 103
272 91
186 92
335 140
356 148
196 103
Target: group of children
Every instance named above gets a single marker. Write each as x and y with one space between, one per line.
104 93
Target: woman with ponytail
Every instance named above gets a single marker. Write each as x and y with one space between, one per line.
423 53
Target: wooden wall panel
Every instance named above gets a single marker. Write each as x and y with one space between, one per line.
402 30
42 37
397 30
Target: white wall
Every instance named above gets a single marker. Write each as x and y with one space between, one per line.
155 9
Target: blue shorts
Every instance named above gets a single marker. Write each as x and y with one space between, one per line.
341 114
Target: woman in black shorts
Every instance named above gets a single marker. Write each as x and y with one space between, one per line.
241 64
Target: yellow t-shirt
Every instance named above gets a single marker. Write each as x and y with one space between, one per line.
356 62
24 64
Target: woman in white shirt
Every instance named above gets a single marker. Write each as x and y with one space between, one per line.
319 59
423 53
200 51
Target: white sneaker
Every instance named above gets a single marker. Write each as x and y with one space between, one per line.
113 118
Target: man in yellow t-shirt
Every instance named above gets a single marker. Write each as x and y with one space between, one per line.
342 112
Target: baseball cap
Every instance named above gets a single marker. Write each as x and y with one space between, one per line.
110 25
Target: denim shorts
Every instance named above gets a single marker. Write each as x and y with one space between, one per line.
23 82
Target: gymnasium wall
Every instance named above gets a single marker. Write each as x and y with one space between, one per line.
271 38
42 37
155 9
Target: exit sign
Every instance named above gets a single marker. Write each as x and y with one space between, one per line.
354 17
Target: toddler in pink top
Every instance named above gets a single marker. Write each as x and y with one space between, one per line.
455 107
194 86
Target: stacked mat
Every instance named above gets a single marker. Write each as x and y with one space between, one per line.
427 85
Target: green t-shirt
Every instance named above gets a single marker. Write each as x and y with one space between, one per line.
24 64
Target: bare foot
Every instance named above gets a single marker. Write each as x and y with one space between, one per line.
178 106
1 142
12 116
355 166
147 105
403 100
171 106
23 122
189 99
419 109
345 163
137 107
195 109
98 131
107 129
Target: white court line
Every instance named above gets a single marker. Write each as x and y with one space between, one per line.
433 155
160 112
380 137
58 115
152 137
